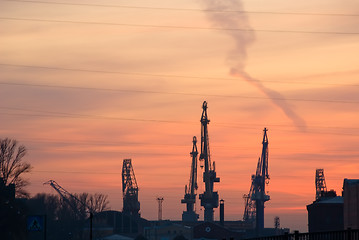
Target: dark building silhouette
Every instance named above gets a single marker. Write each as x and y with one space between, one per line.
326 213
115 222
351 203
12 213
208 230
168 230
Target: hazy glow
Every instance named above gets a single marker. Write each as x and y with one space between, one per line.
106 92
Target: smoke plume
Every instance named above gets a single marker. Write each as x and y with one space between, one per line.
231 16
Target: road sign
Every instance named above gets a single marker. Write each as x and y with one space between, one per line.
35 223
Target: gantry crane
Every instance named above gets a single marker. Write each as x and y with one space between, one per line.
320 185
131 205
190 190
66 196
209 199
254 208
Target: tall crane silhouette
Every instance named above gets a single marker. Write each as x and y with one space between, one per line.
131 205
254 201
209 199
320 185
190 190
70 200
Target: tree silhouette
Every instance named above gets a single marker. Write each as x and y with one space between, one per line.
12 165
97 202
63 220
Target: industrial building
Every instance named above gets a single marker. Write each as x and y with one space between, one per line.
351 203
167 230
115 222
326 212
210 230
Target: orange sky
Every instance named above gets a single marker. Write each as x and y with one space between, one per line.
85 86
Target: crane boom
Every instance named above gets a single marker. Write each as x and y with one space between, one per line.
190 190
66 196
254 208
209 199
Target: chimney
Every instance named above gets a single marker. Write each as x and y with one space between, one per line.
221 212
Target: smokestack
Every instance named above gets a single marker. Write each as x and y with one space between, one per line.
221 212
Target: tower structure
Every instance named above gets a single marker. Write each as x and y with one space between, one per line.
131 205
257 196
320 185
209 199
276 222
190 190
160 201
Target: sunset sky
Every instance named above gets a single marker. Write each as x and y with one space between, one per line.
86 84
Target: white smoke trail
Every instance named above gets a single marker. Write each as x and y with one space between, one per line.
232 16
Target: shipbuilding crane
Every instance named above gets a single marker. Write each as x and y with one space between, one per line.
254 208
67 197
209 199
320 185
190 190
131 205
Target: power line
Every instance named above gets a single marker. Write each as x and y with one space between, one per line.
105 143
169 76
119 173
177 93
75 172
75 115
188 9
173 27
71 115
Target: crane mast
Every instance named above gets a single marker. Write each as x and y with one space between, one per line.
254 208
190 190
320 185
131 205
209 199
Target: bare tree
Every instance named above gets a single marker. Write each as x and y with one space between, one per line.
87 203
97 202
12 165
67 216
